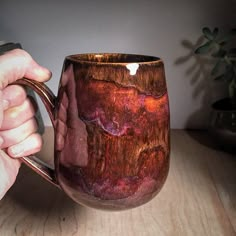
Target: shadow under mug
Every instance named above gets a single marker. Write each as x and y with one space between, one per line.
112 129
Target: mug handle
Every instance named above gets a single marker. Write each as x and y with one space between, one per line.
49 100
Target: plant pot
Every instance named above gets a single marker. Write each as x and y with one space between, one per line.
223 124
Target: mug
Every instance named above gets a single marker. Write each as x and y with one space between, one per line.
112 129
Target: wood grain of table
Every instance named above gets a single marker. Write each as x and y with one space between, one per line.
199 198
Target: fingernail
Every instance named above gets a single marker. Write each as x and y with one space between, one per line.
6 104
43 73
17 150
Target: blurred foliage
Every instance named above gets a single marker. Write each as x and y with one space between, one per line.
221 48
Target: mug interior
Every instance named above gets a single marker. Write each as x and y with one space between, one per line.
113 58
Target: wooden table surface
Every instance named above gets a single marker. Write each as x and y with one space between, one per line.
199 198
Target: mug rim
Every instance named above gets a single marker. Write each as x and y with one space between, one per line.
146 59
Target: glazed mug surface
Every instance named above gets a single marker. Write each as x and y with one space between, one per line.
112 127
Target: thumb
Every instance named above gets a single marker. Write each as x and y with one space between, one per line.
15 65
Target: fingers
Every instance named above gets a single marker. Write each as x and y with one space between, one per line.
9 168
17 115
23 140
18 134
28 146
13 95
20 138
18 128
17 64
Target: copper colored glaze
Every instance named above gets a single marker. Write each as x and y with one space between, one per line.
111 120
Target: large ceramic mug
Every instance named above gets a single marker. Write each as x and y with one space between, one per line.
111 123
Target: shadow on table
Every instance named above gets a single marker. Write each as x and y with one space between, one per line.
204 138
32 193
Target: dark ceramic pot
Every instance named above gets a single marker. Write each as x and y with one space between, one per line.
223 124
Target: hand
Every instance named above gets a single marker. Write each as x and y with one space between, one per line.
18 126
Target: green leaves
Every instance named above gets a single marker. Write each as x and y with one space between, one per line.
216 68
220 53
229 73
219 77
211 44
204 48
210 35
228 36
217 45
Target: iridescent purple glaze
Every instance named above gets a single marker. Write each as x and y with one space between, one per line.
111 120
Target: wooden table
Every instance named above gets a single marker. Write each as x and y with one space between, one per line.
199 198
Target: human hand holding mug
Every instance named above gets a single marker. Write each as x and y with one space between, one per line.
112 127
18 128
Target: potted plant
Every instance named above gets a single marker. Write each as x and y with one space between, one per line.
220 47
